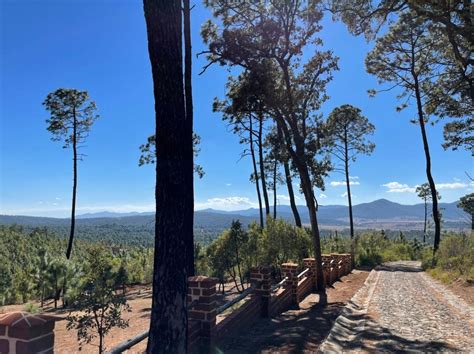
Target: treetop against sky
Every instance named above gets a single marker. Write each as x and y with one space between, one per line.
93 46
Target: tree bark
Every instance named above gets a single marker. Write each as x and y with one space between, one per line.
74 186
169 321
262 165
275 171
434 194
289 184
426 219
255 171
189 131
291 194
349 196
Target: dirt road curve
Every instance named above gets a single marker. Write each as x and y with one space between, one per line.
400 308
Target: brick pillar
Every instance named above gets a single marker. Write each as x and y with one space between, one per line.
260 277
326 268
23 332
290 270
348 263
203 289
338 272
310 263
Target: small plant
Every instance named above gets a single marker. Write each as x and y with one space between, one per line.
31 308
98 307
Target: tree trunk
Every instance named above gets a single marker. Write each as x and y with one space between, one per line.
426 220
291 194
275 171
101 342
189 132
169 321
262 165
254 162
289 185
310 203
74 187
349 196
434 194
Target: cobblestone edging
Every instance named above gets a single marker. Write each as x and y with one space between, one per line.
348 327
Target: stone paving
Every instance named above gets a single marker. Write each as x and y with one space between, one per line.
402 309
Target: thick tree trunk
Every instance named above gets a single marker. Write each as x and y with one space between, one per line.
262 165
169 321
255 171
434 194
189 131
316 239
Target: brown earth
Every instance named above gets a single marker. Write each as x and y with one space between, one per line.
296 329
463 289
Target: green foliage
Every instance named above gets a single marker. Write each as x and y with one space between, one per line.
148 153
72 114
31 308
374 248
34 267
98 308
456 254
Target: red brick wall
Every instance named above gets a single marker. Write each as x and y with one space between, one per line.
280 301
304 288
244 316
22 332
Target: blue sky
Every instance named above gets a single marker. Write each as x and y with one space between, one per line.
100 46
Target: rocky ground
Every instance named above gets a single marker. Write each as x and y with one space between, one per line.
401 308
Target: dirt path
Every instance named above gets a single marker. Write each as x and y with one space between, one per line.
298 330
403 309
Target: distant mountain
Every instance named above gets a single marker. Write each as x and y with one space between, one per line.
110 214
377 211
138 228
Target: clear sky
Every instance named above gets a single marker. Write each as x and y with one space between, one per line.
100 46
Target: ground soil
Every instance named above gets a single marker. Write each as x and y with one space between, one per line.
464 290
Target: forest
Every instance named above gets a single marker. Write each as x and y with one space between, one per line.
274 102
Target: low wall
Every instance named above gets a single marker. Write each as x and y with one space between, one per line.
23 332
280 301
243 317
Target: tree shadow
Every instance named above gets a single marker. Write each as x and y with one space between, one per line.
372 337
409 267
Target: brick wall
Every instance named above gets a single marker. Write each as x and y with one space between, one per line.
281 300
305 285
22 332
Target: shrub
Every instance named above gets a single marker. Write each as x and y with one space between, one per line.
31 308
456 254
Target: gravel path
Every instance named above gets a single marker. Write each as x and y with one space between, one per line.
402 309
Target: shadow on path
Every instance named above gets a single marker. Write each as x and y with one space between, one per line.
374 337
401 266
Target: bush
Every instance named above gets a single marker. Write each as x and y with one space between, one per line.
456 255
31 308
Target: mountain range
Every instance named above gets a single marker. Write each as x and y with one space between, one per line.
380 213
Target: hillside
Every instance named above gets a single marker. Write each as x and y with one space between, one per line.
137 228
